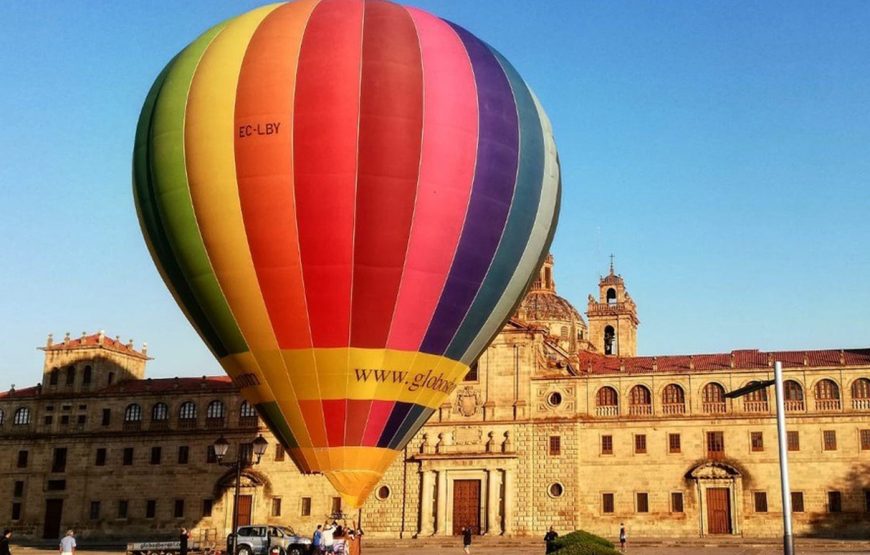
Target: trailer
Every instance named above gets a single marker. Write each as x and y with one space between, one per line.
170 548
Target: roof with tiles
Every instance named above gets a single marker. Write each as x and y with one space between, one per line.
749 359
96 340
211 384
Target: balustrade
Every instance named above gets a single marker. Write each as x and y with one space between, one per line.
794 405
861 404
715 408
827 404
640 410
674 408
756 406
607 410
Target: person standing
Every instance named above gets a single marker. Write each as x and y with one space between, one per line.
622 537
327 540
182 540
550 538
4 542
317 540
68 543
466 539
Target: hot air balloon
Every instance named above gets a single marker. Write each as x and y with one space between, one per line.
347 198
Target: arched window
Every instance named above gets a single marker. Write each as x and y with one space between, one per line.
607 402
187 411
861 394
133 413
22 416
71 375
52 376
564 332
673 399
159 412
609 340
215 410
611 296
247 415
86 376
713 398
827 395
756 401
639 400
794 396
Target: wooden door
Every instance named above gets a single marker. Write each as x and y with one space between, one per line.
466 506
718 511
53 512
245 504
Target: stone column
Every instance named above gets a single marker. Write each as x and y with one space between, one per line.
441 516
509 500
492 487
426 524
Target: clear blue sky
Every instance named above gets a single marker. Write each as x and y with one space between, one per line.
721 150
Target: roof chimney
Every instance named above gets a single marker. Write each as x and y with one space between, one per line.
691 362
842 358
50 341
144 348
66 338
655 364
101 337
806 359
733 365
769 360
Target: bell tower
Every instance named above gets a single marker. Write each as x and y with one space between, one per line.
613 317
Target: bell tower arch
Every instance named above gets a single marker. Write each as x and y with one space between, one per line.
612 318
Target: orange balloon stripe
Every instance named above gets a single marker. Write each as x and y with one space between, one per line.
390 127
450 131
326 115
264 168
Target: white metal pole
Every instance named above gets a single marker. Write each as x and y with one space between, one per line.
787 538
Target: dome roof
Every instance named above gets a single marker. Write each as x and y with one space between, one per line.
541 305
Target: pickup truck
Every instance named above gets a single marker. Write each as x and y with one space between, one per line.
263 539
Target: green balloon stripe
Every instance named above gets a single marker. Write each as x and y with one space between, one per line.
149 220
173 194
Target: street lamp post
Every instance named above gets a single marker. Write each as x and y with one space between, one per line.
221 446
787 536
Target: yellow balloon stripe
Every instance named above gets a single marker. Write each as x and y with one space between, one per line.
209 140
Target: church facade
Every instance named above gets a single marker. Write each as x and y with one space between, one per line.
559 423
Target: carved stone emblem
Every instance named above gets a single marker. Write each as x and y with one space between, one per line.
467 401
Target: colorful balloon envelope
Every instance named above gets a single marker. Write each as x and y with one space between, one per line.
347 198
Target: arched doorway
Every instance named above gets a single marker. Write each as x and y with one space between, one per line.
255 492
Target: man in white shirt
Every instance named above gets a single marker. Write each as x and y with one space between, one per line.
68 543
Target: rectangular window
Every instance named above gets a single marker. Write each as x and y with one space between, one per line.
606 445
150 508
101 457
82 418
797 501
830 440
58 460
128 456
555 446
22 458
206 507
756 440
94 511
123 505
16 511
336 505
715 445
64 419
643 502
47 419
210 455
640 443
472 375
835 502
793 439
156 452
867 500
276 506
178 511
760 498
606 502
18 490
107 417
677 502
674 443
55 485
279 452
865 440
183 454
306 506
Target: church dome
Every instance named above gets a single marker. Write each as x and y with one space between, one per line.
542 305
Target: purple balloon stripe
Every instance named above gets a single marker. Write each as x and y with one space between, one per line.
491 194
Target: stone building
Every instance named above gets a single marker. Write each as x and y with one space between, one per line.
559 423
